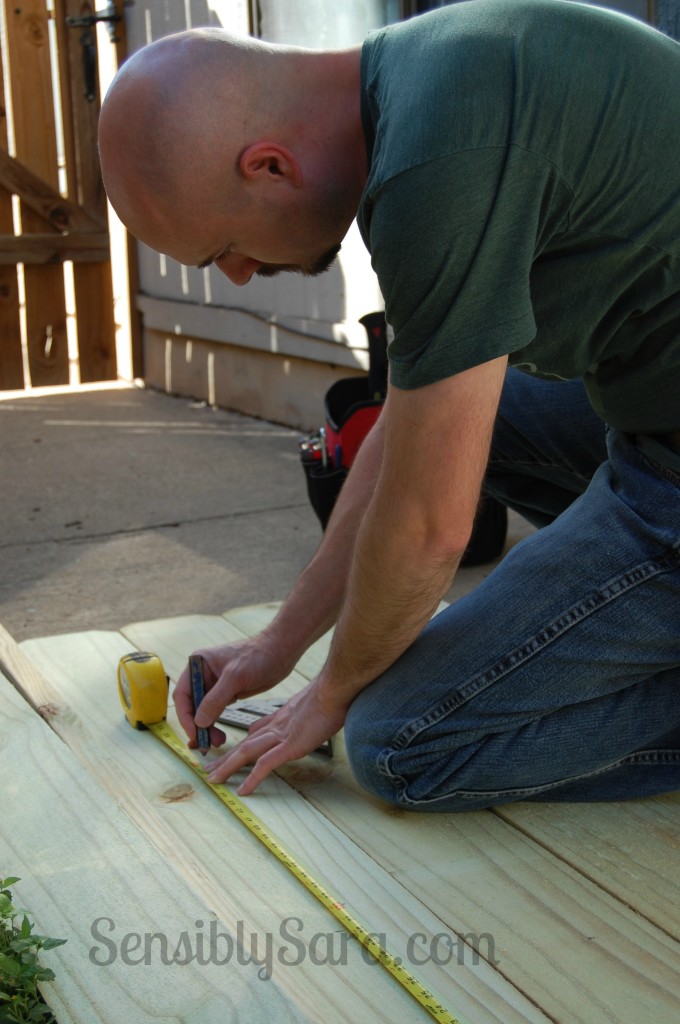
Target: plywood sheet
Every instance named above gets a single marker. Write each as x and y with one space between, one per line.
630 851
530 890
238 877
89 875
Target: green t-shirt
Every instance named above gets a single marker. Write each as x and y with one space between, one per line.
523 197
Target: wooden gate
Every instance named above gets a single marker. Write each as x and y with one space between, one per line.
55 269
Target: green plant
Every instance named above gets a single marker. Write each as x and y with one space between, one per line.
20 972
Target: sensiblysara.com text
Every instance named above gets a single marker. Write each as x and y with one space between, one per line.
287 947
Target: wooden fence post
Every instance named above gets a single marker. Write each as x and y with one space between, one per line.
30 77
11 361
92 281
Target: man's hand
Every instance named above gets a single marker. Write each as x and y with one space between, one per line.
306 721
231 672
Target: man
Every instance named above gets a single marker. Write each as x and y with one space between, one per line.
513 165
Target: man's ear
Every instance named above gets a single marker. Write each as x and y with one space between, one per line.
267 161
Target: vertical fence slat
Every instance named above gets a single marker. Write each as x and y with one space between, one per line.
94 318
34 129
92 282
11 362
135 321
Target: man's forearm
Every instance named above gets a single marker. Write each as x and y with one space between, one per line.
417 525
393 591
314 603
409 539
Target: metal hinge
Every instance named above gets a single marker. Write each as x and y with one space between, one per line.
110 16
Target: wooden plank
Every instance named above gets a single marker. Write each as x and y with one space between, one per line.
63 32
571 947
94 318
17 666
227 868
37 249
37 195
631 849
131 282
136 317
86 871
568 931
93 283
11 359
135 314
34 132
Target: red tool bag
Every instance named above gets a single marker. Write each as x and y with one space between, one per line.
352 405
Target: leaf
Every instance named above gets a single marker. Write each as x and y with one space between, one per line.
51 943
9 966
40 1013
20 945
5 882
30 969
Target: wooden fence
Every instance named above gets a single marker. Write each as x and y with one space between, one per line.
55 270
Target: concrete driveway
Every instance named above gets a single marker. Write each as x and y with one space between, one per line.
121 504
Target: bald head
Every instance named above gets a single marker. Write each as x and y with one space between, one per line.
195 122
181 110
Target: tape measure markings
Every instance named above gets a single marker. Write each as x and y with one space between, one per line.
393 964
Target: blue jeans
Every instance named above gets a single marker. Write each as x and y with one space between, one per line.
558 677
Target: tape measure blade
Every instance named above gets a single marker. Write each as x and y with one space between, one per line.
394 965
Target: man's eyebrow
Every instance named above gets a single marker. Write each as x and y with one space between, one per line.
205 263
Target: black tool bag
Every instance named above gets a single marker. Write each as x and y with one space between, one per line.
352 405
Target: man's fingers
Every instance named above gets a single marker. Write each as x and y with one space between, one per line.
185 709
265 763
246 752
217 737
260 723
211 706
290 732
262 768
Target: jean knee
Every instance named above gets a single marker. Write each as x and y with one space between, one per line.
365 743
384 767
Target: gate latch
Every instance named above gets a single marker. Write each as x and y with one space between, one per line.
110 17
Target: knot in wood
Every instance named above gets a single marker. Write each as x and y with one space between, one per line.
47 711
174 794
59 217
34 29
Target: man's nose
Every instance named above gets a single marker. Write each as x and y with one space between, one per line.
239 269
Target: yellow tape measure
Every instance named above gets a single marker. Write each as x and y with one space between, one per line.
143 691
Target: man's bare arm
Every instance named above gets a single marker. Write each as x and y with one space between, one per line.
418 524
410 542
313 605
243 669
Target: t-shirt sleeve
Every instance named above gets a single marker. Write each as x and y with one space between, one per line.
453 242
